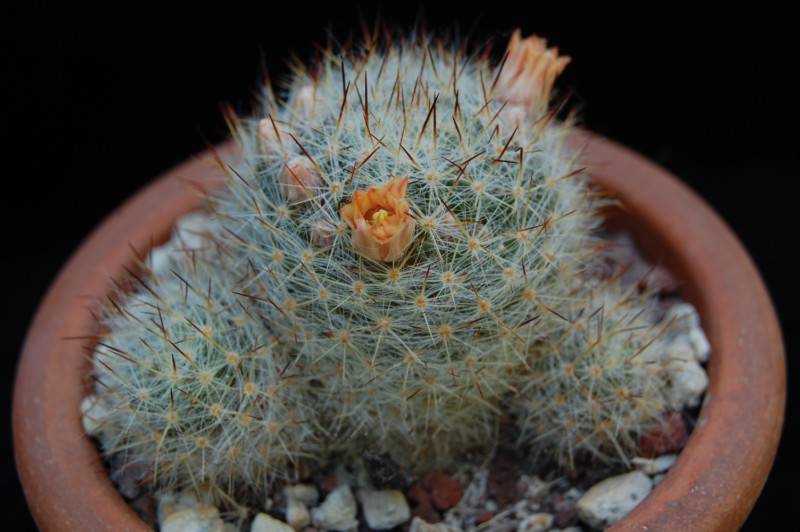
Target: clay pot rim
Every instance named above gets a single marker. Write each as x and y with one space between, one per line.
712 486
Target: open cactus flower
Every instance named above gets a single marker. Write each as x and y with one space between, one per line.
529 72
391 269
382 227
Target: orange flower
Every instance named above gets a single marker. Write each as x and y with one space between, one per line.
378 216
529 72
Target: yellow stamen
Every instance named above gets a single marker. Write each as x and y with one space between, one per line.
379 217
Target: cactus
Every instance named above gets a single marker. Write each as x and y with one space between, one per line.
597 385
191 394
405 259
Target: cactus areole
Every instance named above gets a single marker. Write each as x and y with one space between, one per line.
402 253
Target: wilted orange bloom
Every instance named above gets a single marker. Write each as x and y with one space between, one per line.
378 216
529 72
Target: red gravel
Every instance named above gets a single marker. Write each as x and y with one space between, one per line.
503 483
564 510
434 491
426 512
483 517
669 438
441 489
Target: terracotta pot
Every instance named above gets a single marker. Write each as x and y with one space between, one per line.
712 486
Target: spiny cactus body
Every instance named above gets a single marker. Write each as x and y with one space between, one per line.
193 395
405 258
595 386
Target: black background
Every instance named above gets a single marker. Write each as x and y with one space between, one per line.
104 99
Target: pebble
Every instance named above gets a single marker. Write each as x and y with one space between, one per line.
688 320
534 486
266 523
420 525
187 234
94 412
702 348
483 517
687 382
536 523
297 514
503 483
610 500
475 491
684 314
171 502
199 519
437 488
654 466
665 439
384 509
426 512
305 493
564 509
337 512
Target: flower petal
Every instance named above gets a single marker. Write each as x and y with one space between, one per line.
397 245
364 242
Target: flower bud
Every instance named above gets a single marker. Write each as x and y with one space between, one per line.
304 101
324 233
299 179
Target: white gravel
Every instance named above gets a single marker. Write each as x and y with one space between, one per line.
93 412
266 523
297 514
654 466
337 512
305 493
611 499
420 525
539 522
384 509
199 519
187 235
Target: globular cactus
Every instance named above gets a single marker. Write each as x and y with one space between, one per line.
597 385
189 393
405 258
418 237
